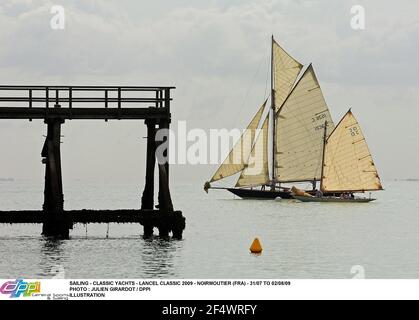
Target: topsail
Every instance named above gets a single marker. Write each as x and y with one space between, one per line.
285 71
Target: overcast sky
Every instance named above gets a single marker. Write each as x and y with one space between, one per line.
216 52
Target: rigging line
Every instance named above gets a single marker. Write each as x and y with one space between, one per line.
249 89
266 95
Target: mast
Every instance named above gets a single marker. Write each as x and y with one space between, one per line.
324 149
273 114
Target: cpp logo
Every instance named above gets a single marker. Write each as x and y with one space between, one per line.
20 287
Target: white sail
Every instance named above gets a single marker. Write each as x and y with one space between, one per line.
256 172
348 164
239 154
285 72
299 131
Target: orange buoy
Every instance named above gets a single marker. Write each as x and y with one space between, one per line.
256 247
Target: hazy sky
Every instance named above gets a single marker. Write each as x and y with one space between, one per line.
216 52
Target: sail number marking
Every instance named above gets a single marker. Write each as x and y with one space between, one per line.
318 117
354 131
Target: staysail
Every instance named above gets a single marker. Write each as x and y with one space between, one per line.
348 164
285 71
299 131
256 172
239 154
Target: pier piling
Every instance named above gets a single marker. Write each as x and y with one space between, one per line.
55 225
56 221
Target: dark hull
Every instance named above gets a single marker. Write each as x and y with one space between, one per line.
260 194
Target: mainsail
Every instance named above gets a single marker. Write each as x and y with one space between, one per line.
299 131
239 154
348 164
285 71
256 172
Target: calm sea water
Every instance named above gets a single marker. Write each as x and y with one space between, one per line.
300 240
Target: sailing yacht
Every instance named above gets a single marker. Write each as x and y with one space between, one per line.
294 123
347 165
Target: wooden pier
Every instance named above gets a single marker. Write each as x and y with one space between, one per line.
55 105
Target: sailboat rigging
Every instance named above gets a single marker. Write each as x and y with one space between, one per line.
300 124
284 73
347 165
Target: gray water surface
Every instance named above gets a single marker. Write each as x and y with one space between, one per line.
300 240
